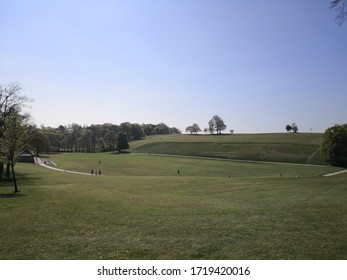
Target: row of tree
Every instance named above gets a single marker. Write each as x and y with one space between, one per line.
94 138
215 124
17 134
294 128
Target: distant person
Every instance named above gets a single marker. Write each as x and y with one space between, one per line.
99 172
99 162
92 172
178 171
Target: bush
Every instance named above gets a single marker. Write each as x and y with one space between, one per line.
334 144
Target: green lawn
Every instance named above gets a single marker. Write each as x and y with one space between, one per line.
142 209
276 147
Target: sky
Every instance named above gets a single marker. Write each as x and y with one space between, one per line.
259 65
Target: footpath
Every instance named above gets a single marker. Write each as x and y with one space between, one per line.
335 173
43 164
49 166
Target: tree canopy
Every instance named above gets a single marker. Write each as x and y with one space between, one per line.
12 141
334 144
216 124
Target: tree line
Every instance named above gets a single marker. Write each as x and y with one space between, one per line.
17 134
93 138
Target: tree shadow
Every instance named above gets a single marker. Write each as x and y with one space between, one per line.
11 195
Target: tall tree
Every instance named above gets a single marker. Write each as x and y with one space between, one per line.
111 140
216 124
122 142
12 141
11 100
193 129
136 131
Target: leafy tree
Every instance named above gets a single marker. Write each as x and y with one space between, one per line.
289 128
126 127
148 129
136 131
13 141
122 142
111 138
37 140
216 124
193 129
334 144
85 140
161 129
190 129
174 130
339 7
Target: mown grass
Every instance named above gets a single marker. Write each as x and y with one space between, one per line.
277 147
142 209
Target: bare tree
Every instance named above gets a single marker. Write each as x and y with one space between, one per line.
12 141
11 100
339 7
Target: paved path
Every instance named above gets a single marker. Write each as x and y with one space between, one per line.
41 163
335 173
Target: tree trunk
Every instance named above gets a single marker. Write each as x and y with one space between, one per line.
8 170
1 169
14 178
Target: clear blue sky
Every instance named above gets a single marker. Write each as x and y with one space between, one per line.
257 64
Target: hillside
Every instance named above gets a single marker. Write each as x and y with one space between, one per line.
277 147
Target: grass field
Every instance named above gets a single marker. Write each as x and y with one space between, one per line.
277 147
141 208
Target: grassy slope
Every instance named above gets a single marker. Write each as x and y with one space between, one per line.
279 147
142 209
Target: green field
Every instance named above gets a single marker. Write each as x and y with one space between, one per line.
141 208
277 147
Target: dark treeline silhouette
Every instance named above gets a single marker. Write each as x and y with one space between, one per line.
93 138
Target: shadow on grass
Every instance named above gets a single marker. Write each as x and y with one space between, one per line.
11 195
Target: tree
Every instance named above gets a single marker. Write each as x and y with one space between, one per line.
288 128
161 128
190 129
193 129
295 128
216 124
334 144
136 131
11 100
122 142
148 128
111 138
37 140
174 130
12 141
339 7
126 127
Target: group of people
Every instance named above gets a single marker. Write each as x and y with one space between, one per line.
97 171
